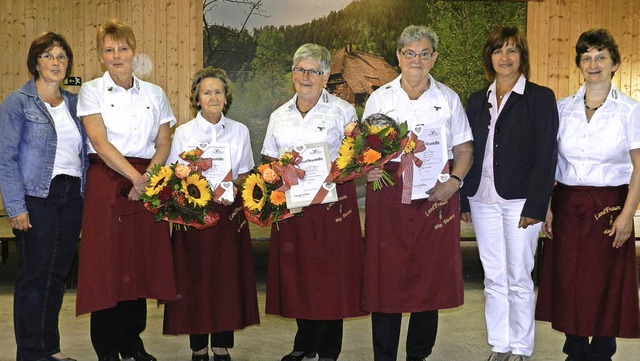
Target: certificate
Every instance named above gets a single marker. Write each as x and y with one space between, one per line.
219 176
314 187
435 160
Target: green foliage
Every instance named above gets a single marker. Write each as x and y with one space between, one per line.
462 28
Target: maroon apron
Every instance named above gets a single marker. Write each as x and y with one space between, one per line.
412 252
124 253
214 276
587 287
315 261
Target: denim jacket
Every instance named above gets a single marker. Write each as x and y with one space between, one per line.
28 143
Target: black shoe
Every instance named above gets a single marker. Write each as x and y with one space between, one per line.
416 359
298 357
204 357
109 358
52 358
217 357
140 355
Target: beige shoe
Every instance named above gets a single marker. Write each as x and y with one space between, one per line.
519 358
499 356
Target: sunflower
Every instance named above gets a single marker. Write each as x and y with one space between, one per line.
254 193
346 148
371 156
277 198
195 188
286 158
410 146
158 181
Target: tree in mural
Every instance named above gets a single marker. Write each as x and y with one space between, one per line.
224 45
258 60
265 85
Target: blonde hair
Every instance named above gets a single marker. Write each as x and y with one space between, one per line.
118 31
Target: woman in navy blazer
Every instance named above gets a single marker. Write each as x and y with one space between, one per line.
507 190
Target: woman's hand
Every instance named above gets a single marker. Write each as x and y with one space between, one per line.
621 230
139 185
21 222
443 191
526 222
465 217
374 175
546 227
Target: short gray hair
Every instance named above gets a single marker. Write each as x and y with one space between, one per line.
315 52
415 33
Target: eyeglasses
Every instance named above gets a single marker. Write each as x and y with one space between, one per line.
310 72
507 52
410 54
48 57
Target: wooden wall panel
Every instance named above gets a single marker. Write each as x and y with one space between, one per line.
168 31
553 27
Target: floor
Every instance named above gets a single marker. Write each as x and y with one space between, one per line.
461 337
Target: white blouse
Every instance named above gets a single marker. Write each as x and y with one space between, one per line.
436 106
596 153
226 131
325 122
132 117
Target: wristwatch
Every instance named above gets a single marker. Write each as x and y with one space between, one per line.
460 181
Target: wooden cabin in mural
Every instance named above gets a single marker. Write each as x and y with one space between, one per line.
355 75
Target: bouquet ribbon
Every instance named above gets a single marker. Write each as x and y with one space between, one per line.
210 219
255 219
327 186
290 173
219 191
405 168
200 165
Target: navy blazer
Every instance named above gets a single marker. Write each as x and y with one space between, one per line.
525 150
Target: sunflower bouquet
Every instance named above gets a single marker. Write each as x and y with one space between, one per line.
367 145
263 191
179 193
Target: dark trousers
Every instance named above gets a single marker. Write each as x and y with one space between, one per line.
218 339
46 255
321 336
421 335
117 330
580 349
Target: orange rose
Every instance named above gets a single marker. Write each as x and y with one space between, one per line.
270 176
264 167
349 130
182 171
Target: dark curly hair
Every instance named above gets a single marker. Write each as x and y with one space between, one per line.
599 39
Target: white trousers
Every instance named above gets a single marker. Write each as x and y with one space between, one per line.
508 256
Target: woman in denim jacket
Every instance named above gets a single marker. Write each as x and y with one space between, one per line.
43 164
